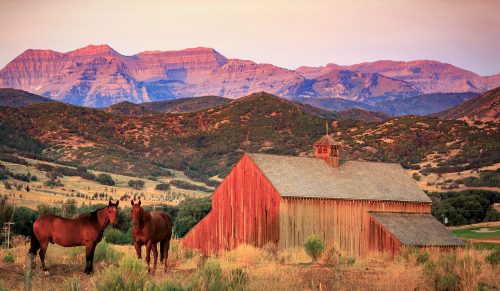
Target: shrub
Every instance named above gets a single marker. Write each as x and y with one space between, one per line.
7 185
188 186
314 247
494 257
105 252
8 258
191 211
210 277
162 187
469 269
53 182
105 179
442 273
347 261
77 253
129 275
423 257
136 184
72 284
116 236
416 176
408 251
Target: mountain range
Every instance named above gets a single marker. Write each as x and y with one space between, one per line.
99 76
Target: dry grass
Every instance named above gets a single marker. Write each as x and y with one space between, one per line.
271 269
53 196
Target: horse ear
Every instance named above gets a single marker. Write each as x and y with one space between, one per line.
110 203
132 201
117 202
139 202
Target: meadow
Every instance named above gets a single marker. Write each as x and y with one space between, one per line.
250 268
90 192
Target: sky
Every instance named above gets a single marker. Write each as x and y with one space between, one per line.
286 33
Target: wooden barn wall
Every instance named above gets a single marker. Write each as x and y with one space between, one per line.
382 240
245 209
343 224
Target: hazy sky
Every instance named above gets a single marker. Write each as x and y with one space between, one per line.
286 33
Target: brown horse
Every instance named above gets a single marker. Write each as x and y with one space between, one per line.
149 229
85 230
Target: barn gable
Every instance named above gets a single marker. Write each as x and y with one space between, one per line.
245 209
313 178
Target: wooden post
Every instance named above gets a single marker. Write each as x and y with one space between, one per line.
28 272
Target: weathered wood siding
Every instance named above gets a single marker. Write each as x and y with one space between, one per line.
245 209
382 240
343 224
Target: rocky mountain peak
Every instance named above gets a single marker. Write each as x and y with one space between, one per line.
91 50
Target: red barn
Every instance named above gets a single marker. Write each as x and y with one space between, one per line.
355 206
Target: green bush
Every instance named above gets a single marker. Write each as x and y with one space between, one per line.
8 258
136 184
494 257
129 275
105 179
105 252
423 257
210 277
442 272
314 247
191 211
167 285
75 252
162 187
116 236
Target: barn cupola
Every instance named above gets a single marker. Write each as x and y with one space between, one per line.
328 149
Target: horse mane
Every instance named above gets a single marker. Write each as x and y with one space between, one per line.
92 215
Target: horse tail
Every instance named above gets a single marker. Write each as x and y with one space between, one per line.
168 221
162 248
34 242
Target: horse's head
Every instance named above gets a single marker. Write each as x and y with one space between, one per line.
113 212
136 212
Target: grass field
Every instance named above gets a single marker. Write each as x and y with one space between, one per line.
482 236
483 233
41 194
249 268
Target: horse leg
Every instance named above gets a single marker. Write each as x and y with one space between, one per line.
43 249
155 256
137 247
148 254
89 258
165 251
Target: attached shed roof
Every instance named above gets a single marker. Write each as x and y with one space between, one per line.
416 229
313 178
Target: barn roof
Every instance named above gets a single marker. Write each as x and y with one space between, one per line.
313 178
417 229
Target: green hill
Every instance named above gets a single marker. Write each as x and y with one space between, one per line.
19 98
208 142
181 105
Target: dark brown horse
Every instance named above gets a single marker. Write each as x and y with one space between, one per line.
149 229
85 230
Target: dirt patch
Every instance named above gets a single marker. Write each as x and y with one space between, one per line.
12 276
